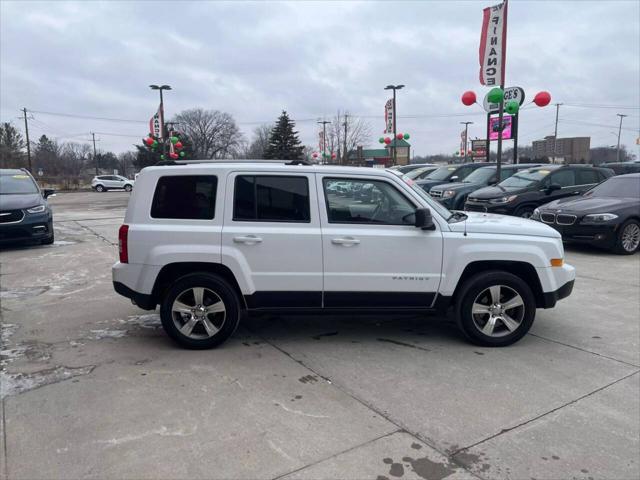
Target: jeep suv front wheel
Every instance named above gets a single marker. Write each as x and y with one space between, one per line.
495 309
200 311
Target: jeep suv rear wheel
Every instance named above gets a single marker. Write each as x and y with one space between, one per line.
200 311
495 309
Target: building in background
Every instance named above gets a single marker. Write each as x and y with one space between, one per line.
563 150
381 157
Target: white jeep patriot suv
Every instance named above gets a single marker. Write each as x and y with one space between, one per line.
211 241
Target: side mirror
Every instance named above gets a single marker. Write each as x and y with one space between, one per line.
455 177
47 192
552 188
424 220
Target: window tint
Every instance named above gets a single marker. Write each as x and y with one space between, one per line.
564 178
366 201
619 187
271 198
463 172
185 196
585 177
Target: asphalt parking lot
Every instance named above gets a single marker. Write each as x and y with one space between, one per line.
92 387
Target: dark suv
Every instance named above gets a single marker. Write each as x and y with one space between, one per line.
521 193
24 212
448 174
453 195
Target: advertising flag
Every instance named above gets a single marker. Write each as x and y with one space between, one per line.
493 45
155 124
389 116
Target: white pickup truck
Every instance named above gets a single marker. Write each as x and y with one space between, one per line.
209 242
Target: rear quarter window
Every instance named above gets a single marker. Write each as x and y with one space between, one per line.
271 198
191 197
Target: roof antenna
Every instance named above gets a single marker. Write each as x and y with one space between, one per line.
465 224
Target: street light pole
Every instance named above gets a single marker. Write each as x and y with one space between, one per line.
95 154
466 138
619 132
395 116
324 136
555 133
162 126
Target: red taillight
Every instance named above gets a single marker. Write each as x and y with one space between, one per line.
123 249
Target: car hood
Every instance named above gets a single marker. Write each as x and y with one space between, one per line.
478 222
496 192
590 204
459 186
19 201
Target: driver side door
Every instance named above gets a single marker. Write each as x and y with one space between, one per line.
373 255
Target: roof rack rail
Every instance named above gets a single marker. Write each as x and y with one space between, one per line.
232 160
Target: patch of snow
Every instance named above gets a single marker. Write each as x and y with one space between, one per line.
106 333
17 383
22 292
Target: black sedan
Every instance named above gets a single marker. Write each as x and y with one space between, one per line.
606 216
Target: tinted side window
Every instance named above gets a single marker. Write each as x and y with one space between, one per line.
564 178
271 198
366 201
185 196
463 172
505 173
585 177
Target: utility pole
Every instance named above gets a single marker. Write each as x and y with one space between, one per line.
555 134
95 155
395 117
324 137
344 142
26 131
619 132
466 138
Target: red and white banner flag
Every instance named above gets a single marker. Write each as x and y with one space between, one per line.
389 116
493 45
155 124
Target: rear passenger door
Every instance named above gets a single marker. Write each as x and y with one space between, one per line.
271 237
586 178
566 179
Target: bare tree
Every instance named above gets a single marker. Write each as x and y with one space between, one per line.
358 133
213 134
74 158
259 143
126 161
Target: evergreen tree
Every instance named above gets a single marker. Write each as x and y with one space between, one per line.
11 147
284 143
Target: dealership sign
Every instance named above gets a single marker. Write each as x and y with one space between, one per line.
493 45
389 115
494 127
515 94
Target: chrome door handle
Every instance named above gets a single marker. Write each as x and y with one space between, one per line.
249 239
347 241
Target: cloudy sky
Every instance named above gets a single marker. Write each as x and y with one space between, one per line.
253 59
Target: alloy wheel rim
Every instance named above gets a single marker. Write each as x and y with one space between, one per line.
498 311
198 313
631 237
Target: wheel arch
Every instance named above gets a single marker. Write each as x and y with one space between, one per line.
172 271
524 270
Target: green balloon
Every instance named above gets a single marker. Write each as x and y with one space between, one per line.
407 136
161 157
154 144
182 154
512 107
381 139
495 95
174 140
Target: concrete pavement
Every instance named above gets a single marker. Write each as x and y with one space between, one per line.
92 387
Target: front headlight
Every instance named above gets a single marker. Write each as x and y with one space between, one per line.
38 209
508 199
448 193
536 214
598 218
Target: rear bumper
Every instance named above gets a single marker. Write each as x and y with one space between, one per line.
551 298
142 300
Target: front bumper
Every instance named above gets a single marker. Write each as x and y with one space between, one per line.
33 228
486 207
599 235
551 298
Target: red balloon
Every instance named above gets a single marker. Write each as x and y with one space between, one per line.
469 98
149 141
399 136
173 155
387 140
178 145
333 155
542 99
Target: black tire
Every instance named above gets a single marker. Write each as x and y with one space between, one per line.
220 288
477 285
619 247
100 188
128 188
48 240
525 211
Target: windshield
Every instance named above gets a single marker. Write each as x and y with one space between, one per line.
446 214
617 187
441 173
17 184
418 171
525 178
481 175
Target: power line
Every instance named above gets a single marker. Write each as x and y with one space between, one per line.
88 117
